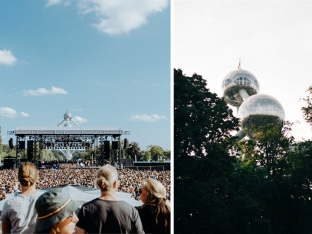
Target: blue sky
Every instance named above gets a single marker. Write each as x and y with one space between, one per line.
106 62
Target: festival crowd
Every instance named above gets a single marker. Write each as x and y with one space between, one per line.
130 180
54 211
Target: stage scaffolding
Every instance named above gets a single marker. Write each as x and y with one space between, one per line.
70 138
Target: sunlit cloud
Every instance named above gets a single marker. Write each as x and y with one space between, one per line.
147 118
53 2
23 114
118 17
7 58
8 112
43 91
79 120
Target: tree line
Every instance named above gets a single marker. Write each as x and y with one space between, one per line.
133 151
260 185
152 153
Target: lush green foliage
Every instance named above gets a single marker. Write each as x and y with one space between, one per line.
203 167
145 156
155 151
134 149
6 151
307 110
266 190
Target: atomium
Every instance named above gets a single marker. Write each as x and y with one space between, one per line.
235 82
68 118
260 110
240 89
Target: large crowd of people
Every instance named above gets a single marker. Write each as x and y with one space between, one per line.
130 180
53 211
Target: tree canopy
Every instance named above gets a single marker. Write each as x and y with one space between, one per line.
307 110
203 167
134 149
266 189
155 151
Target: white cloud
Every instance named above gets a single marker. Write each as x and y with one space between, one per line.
7 112
79 120
43 91
23 61
52 2
147 118
117 17
23 114
7 58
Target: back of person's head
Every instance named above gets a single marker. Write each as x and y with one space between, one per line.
156 191
156 194
107 175
27 174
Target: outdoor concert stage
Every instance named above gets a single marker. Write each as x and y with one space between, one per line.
68 138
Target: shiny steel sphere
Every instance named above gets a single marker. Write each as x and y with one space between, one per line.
235 81
67 115
259 110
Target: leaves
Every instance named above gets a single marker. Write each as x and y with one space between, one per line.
307 110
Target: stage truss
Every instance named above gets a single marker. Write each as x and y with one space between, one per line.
65 138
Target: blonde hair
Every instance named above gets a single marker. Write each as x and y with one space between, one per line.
27 174
107 175
54 229
156 194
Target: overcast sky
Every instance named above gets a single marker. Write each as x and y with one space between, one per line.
106 62
272 38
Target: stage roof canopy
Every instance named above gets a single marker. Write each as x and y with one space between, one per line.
61 130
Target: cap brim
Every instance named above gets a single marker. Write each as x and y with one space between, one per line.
47 223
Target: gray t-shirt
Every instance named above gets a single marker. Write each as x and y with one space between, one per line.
20 212
107 216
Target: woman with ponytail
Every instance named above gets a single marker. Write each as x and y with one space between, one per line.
108 214
155 213
18 214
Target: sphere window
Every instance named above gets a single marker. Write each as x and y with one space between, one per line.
242 81
246 81
226 82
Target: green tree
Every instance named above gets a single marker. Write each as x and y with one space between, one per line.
307 110
89 153
156 151
134 149
203 167
168 154
76 154
269 148
281 172
145 156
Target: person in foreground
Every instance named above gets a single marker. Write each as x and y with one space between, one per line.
155 213
56 213
108 214
18 214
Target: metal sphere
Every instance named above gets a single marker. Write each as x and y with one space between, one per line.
235 81
67 115
259 110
